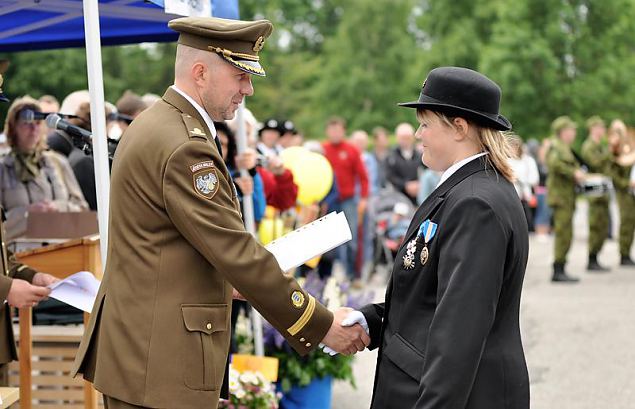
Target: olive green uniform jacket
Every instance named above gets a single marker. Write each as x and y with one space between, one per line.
560 180
598 157
10 269
159 332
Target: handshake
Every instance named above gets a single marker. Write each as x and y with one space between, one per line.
348 334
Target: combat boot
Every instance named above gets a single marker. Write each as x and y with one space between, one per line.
594 266
560 276
627 261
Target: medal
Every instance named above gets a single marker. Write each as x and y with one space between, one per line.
424 255
409 257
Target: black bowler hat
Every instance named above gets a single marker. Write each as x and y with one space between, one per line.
458 91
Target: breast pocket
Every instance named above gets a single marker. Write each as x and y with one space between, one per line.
204 345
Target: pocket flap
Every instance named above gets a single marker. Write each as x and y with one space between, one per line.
205 318
405 356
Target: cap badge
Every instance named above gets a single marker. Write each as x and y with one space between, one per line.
259 44
297 298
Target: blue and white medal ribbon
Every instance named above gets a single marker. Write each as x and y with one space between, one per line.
427 230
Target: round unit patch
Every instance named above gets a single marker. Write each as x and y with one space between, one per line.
297 299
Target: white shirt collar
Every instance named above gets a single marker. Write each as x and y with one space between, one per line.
458 165
208 120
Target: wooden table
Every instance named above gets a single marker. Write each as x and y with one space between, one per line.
9 396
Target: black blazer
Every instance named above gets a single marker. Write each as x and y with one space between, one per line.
448 331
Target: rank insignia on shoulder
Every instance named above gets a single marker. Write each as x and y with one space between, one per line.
206 182
197 132
297 299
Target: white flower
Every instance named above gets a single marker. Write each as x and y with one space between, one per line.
240 394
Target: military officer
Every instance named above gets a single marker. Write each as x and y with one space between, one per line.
158 335
596 154
564 174
20 286
620 173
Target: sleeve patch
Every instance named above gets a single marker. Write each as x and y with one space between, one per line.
201 165
206 182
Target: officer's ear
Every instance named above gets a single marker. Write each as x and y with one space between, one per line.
199 71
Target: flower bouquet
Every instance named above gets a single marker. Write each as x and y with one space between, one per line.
250 390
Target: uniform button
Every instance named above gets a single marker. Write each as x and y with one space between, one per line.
209 325
302 339
308 345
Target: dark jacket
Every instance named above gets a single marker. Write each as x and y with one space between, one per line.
400 170
450 336
83 165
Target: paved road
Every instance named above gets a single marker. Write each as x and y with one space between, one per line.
579 339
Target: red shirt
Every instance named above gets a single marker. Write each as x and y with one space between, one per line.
348 168
280 190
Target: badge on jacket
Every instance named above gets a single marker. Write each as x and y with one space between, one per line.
205 179
426 232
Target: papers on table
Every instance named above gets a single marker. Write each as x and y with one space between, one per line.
316 238
78 290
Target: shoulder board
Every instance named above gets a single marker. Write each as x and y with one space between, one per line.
194 127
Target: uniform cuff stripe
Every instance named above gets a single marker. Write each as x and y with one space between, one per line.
304 319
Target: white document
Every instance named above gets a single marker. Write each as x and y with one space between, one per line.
311 240
78 290
190 8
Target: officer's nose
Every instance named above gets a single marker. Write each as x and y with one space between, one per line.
247 88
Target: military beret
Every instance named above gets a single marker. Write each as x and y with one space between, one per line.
562 122
594 120
238 42
4 65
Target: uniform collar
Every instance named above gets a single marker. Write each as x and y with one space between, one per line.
458 165
203 113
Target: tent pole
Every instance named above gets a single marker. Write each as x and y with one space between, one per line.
98 120
250 224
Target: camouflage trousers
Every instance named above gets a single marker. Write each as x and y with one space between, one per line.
626 203
598 223
563 231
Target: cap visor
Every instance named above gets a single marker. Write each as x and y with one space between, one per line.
251 67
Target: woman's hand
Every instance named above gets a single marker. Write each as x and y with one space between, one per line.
42 207
44 279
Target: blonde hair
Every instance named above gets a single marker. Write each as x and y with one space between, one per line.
11 121
498 144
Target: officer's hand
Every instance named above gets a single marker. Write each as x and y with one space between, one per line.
345 340
44 279
246 184
247 159
354 317
22 294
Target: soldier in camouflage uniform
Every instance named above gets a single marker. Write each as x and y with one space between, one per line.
597 155
564 173
625 198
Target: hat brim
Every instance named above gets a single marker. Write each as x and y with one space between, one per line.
250 67
495 121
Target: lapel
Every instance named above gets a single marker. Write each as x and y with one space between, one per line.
438 195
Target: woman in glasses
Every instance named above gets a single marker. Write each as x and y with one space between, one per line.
33 179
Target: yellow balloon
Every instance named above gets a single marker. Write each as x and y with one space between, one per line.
312 173
270 229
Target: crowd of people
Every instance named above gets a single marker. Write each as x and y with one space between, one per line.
376 185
